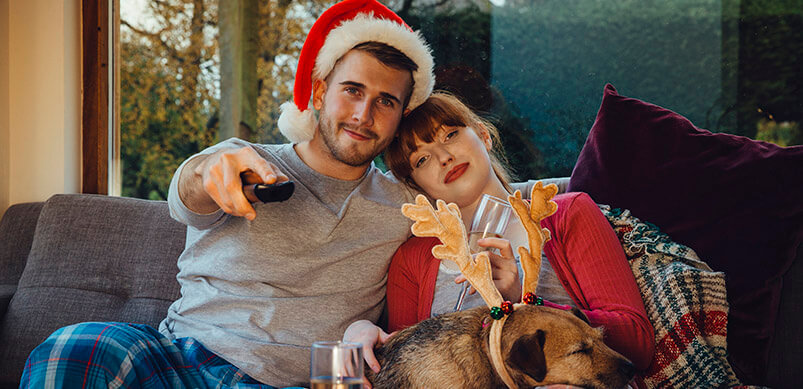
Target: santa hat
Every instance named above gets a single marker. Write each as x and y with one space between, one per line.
340 28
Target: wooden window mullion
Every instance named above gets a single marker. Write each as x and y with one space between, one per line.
95 96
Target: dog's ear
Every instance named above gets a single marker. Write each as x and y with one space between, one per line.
527 355
581 315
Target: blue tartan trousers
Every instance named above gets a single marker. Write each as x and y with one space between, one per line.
124 355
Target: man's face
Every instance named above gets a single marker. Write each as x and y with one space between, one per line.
360 106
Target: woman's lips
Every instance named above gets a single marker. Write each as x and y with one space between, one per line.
455 173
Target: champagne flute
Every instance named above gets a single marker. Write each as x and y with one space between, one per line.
490 219
336 365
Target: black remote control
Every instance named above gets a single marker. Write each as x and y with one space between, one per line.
270 193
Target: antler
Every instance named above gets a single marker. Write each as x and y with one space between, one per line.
446 224
541 206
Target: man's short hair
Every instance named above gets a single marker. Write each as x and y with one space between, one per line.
388 55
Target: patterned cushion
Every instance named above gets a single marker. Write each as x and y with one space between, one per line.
690 326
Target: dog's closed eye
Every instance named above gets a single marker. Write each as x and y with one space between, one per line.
582 348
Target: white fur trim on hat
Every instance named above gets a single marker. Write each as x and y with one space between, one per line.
295 125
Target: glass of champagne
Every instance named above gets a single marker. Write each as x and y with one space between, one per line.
489 221
336 365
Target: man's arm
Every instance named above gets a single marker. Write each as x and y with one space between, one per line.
209 182
190 188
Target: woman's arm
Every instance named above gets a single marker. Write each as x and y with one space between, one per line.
405 275
597 275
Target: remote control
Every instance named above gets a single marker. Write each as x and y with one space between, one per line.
269 193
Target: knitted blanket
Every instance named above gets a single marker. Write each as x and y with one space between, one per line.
686 303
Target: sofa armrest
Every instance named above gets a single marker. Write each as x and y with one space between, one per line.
16 235
527 186
6 293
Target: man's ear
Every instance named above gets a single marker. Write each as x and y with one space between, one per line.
406 112
527 355
318 90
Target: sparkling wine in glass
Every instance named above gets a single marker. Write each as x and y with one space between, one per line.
336 365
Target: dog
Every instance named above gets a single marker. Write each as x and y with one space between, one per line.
529 345
540 346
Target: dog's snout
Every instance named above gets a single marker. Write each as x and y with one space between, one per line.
627 369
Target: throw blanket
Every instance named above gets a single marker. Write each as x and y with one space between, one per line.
686 303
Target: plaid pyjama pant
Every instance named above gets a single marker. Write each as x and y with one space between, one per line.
123 355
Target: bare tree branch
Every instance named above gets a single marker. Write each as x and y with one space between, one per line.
157 38
165 5
157 34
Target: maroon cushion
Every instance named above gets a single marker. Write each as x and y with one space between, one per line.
735 201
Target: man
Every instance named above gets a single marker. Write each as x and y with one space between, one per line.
261 282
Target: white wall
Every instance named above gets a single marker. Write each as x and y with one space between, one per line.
43 102
4 135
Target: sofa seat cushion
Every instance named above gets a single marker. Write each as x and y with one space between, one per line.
735 201
93 258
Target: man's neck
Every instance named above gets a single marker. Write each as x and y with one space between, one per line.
321 160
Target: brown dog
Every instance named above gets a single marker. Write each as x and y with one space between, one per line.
540 346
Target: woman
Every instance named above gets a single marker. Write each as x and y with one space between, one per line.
447 151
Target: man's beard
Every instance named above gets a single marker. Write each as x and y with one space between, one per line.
348 155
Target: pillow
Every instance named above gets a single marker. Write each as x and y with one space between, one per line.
735 201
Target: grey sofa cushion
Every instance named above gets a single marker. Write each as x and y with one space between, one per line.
93 258
16 230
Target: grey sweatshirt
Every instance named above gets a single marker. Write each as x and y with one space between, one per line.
258 293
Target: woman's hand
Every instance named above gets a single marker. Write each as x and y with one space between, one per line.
504 269
370 335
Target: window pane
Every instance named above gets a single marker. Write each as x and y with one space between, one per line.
198 71
169 93
539 67
177 54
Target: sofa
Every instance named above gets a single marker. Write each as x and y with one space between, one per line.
76 258
79 257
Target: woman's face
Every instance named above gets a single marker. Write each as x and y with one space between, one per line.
455 167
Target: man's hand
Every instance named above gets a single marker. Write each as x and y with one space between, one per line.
370 335
504 269
216 180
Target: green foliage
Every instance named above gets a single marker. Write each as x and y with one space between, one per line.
283 26
770 77
782 134
457 36
167 94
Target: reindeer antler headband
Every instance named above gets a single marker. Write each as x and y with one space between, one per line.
446 224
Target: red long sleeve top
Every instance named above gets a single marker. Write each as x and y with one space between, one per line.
587 258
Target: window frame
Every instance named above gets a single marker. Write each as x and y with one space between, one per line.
100 91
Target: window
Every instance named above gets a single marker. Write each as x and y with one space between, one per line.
193 72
